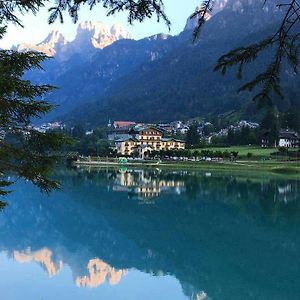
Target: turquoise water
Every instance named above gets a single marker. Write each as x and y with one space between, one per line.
142 234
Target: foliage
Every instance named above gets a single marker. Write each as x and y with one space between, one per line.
94 144
291 119
208 129
270 124
201 14
24 152
137 10
192 136
244 136
285 43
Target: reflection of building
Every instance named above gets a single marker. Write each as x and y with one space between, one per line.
147 192
99 272
286 192
281 191
146 185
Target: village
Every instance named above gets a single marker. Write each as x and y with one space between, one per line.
132 139
148 140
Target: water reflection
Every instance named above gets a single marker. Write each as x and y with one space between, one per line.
144 185
98 271
222 236
42 257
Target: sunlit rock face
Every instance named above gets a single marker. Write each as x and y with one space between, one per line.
99 273
43 257
53 44
98 35
89 36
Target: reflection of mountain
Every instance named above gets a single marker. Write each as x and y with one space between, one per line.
225 235
98 271
43 257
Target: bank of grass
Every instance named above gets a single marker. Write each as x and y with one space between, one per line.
256 152
260 160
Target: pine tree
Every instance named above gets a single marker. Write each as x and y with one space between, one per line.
24 152
270 124
192 136
291 119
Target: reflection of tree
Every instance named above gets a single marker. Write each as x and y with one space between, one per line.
2 205
229 228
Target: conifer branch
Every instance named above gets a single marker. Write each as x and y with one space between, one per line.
286 43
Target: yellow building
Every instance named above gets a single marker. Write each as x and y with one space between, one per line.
147 140
126 146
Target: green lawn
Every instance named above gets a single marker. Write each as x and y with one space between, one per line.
256 151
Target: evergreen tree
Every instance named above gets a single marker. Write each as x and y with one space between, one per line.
78 132
270 124
24 152
231 137
192 136
291 119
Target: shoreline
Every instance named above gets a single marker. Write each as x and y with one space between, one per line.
288 168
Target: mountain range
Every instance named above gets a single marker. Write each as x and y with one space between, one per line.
105 74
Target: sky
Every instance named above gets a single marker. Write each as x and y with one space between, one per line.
36 28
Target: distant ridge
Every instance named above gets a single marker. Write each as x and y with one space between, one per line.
89 36
104 74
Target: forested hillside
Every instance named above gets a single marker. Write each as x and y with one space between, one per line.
163 78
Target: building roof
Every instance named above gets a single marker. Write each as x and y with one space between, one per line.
172 139
120 124
126 140
139 129
287 134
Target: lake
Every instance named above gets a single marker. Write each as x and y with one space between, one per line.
152 234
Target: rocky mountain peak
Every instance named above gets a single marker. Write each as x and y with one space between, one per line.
99 35
90 35
52 44
54 38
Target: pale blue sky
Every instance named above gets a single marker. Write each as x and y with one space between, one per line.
37 28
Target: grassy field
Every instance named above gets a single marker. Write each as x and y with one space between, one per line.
257 152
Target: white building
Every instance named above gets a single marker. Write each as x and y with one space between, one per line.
288 139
